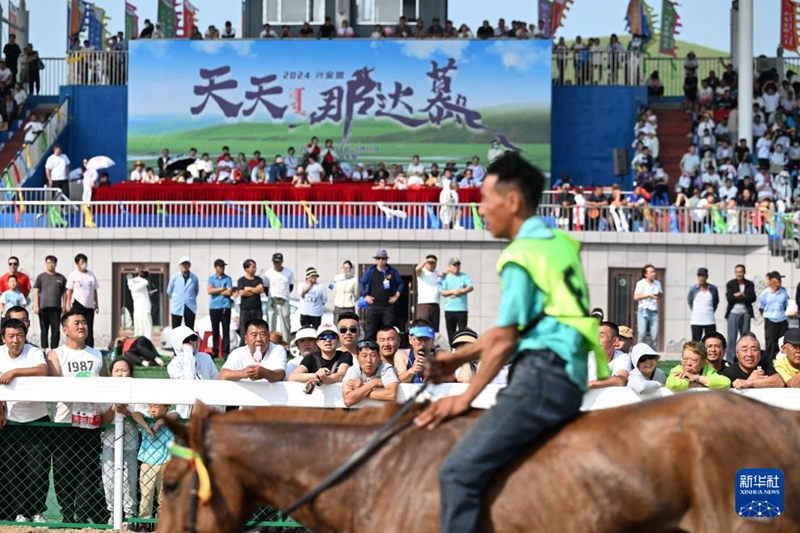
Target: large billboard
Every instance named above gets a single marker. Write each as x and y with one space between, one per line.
378 100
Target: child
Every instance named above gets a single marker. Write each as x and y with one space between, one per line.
695 371
12 297
646 376
153 453
120 368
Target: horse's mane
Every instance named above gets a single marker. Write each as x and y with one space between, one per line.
367 416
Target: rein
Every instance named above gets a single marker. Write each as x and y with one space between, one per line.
377 440
201 481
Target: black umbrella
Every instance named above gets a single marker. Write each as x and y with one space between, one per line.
179 164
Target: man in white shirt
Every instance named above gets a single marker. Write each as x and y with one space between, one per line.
56 170
648 292
703 302
188 363
281 285
416 168
77 481
495 151
28 457
428 290
225 168
258 359
5 73
619 362
314 170
81 296
137 174
268 33
345 30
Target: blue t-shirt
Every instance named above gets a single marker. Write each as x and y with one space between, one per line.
218 301
12 298
451 282
313 302
774 304
155 451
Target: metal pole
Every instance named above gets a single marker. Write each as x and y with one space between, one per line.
744 66
734 31
119 419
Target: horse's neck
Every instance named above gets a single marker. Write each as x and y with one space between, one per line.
282 461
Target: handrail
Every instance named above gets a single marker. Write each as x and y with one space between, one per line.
27 158
394 215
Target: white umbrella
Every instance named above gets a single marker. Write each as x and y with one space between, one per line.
99 162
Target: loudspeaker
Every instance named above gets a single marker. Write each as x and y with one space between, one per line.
620 156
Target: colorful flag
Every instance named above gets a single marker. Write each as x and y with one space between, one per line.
274 221
17 216
88 220
312 220
13 17
189 18
476 217
167 18
669 28
56 218
560 8
789 25
633 17
97 27
131 22
75 19
545 12
435 224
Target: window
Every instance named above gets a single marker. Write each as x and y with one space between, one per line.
294 11
386 12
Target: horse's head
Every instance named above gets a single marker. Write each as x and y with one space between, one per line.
194 500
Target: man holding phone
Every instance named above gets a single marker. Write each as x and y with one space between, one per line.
648 292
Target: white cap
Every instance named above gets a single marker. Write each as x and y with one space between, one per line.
305 333
185 259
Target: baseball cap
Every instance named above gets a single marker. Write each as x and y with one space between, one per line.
774 275
625 332
702 271
454 261
277 258
465 336
792 336
305 333
220 263
326 328
185 259
139 164
381 254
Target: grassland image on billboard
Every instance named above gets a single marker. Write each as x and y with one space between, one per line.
377 100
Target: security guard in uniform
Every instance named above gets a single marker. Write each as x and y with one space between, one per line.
543 328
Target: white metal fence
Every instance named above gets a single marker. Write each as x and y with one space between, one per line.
16 212
97 67
132 391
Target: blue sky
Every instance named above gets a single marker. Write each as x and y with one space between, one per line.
163 74
705 22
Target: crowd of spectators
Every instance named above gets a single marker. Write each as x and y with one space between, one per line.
315 163
405 28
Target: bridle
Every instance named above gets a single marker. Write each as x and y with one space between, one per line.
200 491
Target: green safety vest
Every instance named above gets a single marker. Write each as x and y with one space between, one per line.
555 268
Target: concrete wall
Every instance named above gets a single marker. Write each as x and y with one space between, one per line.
680 256
588 123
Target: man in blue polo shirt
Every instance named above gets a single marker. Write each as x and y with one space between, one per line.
455 287
182 291
773 302
220 301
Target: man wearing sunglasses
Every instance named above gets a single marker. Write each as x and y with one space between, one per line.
372 378
327 366
348 332
23 281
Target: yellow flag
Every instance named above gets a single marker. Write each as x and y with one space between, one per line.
88 221
312 220
28 158
21 200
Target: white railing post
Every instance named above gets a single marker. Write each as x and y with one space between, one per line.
119 431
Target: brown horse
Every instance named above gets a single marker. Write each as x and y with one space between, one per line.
662 465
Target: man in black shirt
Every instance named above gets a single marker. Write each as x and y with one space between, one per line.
11 52
485 31
747 372
327 366
250 288
381 286
327 30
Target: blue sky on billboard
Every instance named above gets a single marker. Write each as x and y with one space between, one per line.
515 68
705 22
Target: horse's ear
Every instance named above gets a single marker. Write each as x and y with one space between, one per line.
197 426
178 429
